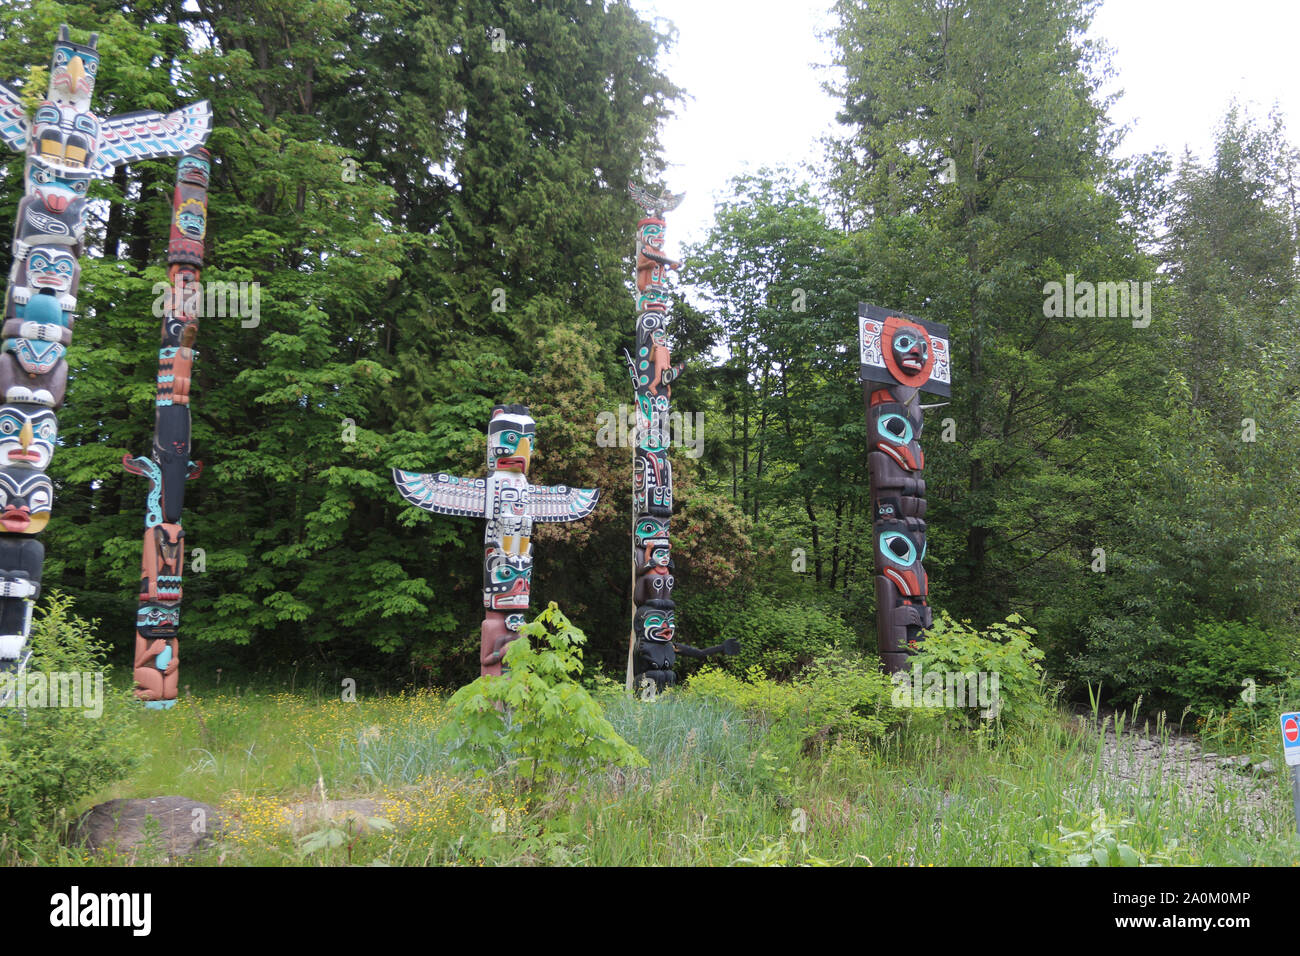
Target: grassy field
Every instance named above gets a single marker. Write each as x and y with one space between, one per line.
722 787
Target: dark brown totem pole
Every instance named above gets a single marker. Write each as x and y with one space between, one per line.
509 505
158 619
66 146
901 356
652 650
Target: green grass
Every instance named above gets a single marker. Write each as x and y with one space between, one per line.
722 787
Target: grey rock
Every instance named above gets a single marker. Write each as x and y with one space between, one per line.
177 825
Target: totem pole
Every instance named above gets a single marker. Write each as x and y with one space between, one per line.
652 650
66 145
901 357
157 656
509 505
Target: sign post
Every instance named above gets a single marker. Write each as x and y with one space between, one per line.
1291 749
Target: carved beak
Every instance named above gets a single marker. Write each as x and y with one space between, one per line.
76 73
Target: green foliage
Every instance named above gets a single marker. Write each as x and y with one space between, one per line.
1106 841
537 717
780 638
836 698
1215 660
1250 725
1005 649
52 757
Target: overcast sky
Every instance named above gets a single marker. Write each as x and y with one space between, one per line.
752 70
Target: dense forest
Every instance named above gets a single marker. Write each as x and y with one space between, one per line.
436 225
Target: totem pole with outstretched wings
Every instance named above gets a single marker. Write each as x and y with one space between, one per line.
67 146
509 505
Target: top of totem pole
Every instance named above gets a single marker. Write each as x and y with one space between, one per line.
652 204
65 134
900 349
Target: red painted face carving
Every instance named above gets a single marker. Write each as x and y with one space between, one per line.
909 354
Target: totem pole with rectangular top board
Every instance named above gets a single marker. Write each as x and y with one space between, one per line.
901 356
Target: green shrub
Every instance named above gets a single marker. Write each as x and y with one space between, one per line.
1127 654
537 719
1217 658
1005 650
833 699
780 638
52 757
1250 725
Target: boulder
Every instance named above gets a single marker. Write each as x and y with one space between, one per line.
181 825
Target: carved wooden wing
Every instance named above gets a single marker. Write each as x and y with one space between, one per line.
151 135
13 120
560 502
443 493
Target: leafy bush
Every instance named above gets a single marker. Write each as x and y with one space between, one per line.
52 757
779 638
1216 658
1105 841
1251 724
1128 653
1003 650
537 718
833 699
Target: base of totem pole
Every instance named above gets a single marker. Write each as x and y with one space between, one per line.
160 704
894 663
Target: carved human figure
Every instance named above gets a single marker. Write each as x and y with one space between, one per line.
509 505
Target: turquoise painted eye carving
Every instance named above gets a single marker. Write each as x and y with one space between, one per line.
898 548
895 428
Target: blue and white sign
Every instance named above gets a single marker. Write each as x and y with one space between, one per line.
1291 738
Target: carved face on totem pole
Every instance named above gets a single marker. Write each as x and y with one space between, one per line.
47 269
897 432
65 132
182 305
899 349
656 621
512 436
26 497
650 541
193 171
27 435
72 72
507 579
164 555
902 545
158 620
652 483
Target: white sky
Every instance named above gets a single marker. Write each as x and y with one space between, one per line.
751 67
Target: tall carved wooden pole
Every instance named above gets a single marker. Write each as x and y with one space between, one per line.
157 656
652 645
901 356
67 146
509 505
651 654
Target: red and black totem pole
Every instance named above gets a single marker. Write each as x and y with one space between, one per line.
66 146
901 356
158 619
